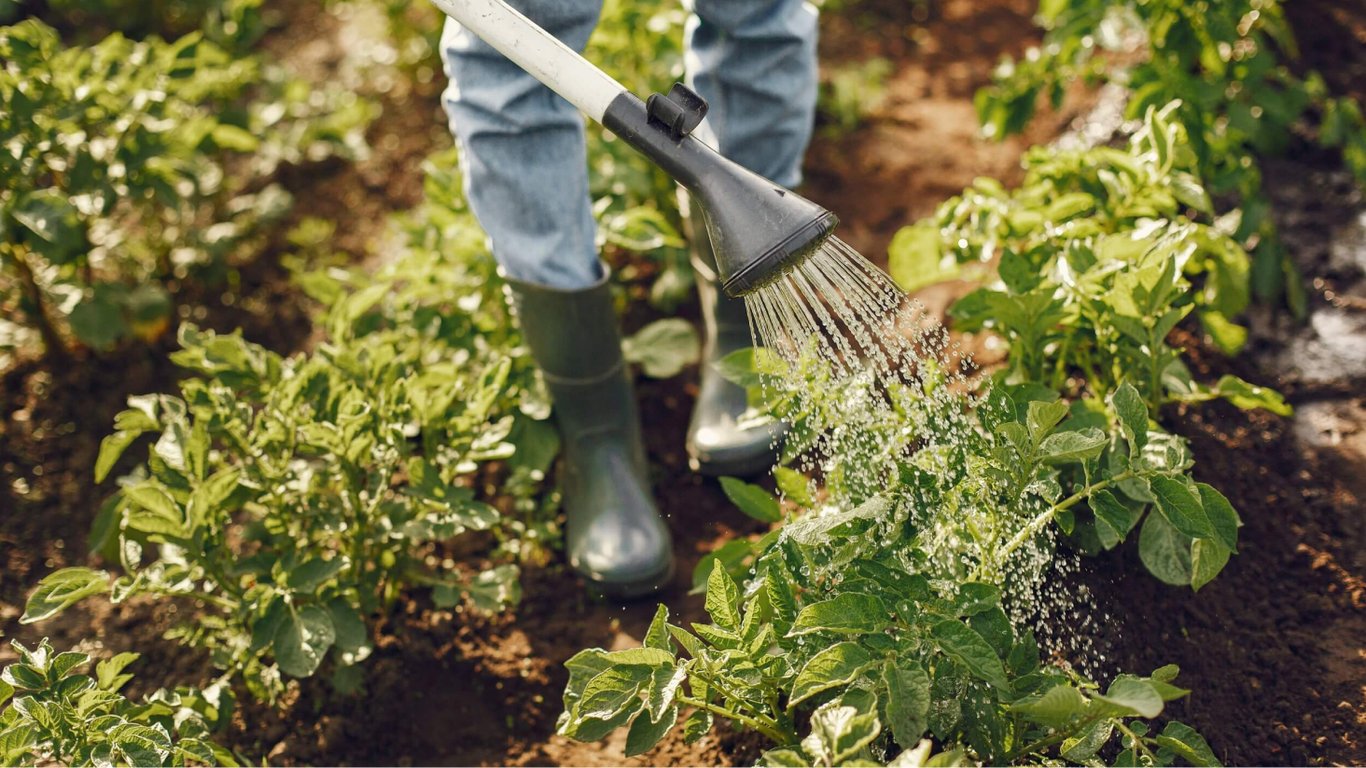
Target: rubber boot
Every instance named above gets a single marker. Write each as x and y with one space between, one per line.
614 535
717 445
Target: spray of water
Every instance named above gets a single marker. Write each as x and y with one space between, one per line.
880 385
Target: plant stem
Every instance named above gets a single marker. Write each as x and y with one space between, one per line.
1057 737
767 727
1033 527
1139 744
52 341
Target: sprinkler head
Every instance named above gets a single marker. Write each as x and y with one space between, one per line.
758 228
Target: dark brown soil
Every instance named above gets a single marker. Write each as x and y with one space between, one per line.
1273 648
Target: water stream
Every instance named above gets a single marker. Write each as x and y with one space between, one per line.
879 384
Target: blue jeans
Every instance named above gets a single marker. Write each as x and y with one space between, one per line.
522 147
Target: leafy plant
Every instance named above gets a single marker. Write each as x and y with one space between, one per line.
880 612
54 715
1226 64
292 497
871 666
136 166
233 24
853 92
1095 260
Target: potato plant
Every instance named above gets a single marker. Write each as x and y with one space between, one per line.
50 714
879 613
1228 65
135 166
860 672
291 498
1097 262
233 24
294 498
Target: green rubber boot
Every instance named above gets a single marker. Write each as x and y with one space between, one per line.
614 535
717 445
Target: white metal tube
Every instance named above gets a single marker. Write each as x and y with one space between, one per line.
537 51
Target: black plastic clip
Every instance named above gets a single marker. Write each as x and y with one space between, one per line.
680 112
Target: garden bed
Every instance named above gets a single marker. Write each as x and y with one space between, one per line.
1272 649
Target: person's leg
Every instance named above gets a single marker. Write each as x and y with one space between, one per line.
754 61
522 151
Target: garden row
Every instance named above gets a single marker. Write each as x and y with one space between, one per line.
293 499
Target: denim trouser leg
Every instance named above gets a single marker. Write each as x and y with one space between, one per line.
522 147
522 151
754 61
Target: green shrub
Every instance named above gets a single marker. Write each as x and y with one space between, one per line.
1225 62
53 715
876 616
134 166
294 497
1096 258
233 24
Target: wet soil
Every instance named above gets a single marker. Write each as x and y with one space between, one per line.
1273 648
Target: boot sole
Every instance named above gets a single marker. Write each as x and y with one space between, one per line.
747 467
634 589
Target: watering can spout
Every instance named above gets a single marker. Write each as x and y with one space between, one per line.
757 228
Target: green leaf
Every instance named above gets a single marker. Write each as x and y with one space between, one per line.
1180 507
839 733
50 224
847 613
6 691
1084 746
784 758
908 700
794 485
495 589
1188 745
612 692
1041 417
731 556
1208 558
353 637
307 577
915 258
1222 517
152 510
1129 697
1165 551
657 636
723 599
303 639
233 138
752 500
646 657
98 320
1249 396
60 590
1073 446
663 348
208 497
646 733
964 645
1054 708
109 672
837 665
1113 519
696 726
112 447
1133 415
